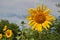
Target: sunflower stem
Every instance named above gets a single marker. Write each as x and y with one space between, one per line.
40 36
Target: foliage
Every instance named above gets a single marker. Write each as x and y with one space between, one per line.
57 25
4 24
27 33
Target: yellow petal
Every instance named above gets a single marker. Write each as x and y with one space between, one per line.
44 26
33 27
49 22
5 27
47 11
48 25
0 36
32 11
29 18
51 18
39 9
44 7
32 23
39 27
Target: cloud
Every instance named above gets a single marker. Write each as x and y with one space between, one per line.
16 10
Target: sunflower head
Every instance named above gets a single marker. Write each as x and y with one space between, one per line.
8 33
40 18
0 36
5 27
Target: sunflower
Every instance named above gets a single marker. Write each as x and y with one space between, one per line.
40 18
5 27
0 36
8 33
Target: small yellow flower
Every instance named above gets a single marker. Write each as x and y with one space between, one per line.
40 18
0 36
5 27
8 33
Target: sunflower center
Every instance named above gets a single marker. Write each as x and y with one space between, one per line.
39 18
0 36
8 33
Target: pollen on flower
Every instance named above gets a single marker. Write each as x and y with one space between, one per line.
39 18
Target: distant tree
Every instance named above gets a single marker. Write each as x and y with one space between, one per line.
58 5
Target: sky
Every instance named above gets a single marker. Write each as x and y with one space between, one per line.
16 10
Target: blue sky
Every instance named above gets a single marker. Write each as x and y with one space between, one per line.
16 10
